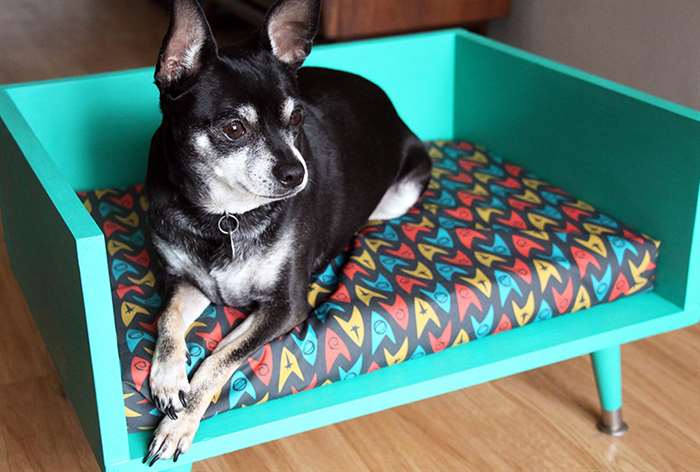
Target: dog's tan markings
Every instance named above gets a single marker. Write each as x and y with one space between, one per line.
168 375
177 434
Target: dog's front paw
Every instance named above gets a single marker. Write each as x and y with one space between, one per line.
168 379
172 437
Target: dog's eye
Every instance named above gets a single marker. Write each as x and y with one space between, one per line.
296 118
234 130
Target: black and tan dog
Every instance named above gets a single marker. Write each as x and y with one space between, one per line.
258 176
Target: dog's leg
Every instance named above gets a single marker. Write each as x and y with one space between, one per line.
168 378
174 436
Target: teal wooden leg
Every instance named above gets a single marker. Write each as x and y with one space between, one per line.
608 375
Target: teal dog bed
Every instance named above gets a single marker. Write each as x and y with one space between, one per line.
630 156
488 248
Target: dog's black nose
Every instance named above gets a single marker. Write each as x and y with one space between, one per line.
289 175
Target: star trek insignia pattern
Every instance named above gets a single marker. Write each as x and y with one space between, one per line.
488 248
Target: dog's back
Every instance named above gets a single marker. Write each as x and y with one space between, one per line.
366 162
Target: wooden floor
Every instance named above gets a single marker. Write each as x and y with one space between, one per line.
540 420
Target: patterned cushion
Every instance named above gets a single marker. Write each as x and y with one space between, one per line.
488 248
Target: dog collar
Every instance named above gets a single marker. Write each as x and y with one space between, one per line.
229 224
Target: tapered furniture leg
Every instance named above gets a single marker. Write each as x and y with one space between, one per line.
608 376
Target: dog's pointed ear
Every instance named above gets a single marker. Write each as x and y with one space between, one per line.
290 28
186 46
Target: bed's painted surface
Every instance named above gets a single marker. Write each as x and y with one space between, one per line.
89 132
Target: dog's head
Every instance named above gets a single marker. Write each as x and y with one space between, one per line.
233 121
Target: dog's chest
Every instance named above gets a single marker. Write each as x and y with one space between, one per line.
239 282
242 281
255 276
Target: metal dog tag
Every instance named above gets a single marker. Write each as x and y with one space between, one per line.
231 227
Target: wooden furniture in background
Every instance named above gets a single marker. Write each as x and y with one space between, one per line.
351 19
346 19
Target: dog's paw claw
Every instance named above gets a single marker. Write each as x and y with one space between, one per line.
169 385
153 454
172 438
170 411
154 460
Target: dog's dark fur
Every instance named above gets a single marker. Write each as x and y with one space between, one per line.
299 190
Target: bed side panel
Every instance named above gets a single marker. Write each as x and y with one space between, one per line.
47 258
629 154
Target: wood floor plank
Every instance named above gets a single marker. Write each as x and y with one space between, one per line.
539 420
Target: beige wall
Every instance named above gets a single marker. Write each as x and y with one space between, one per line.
653 45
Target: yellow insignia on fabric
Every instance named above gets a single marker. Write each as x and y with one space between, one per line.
545 271
597 229
435 153
581 205
114 246
148 279
129 310
594 243
639 280
288 365
263 399
132 219
366 295
487 259
479 157
480 281
424 313
425 221
462 337
533 183
543 235
480 190
524 313
354 327
431 207
399 356
366 260
421 271
429 251
583 300
529 196
484 178
376 244
486 213
539 221
314 291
